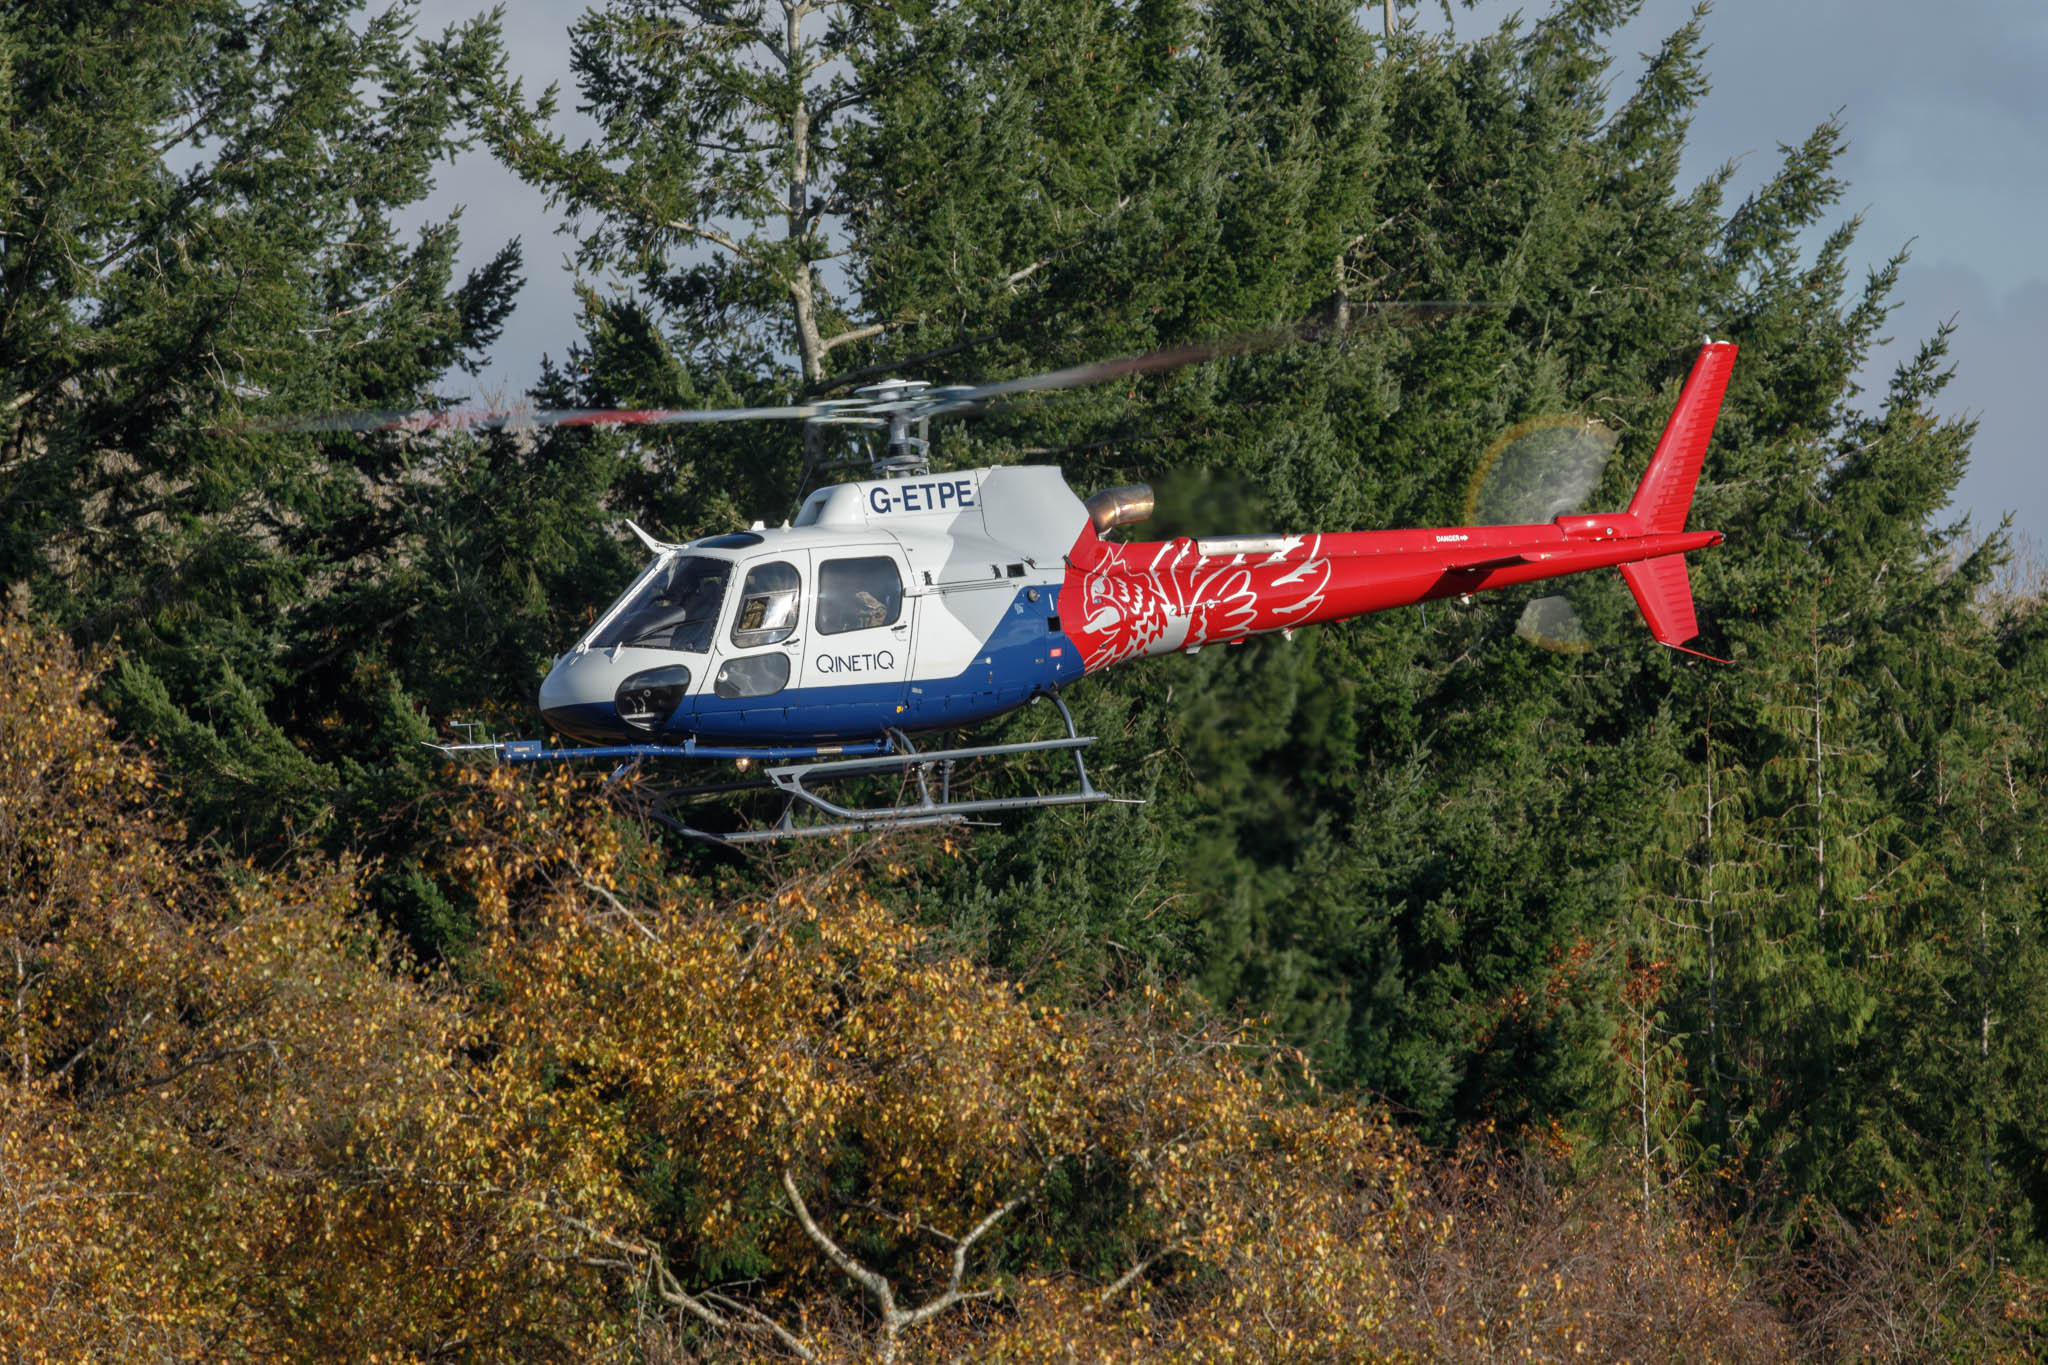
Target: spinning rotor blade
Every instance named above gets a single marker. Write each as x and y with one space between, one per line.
1098 372
1173 357
484 419
908 405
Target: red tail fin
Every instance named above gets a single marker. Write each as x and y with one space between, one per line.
1663 591
1664 497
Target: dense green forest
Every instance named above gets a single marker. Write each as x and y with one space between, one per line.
1449 998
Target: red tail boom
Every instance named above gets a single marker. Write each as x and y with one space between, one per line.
1127 600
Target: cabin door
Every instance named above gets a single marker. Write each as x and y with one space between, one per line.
858 652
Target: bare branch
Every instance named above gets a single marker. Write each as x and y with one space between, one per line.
766 1324
874 1283
895 1319
373 302
953 1292
21 981
1129 1277
106 1030
619 909
204 1059
873 329
649 1258
1017 277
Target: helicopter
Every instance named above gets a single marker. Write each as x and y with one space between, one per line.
915 602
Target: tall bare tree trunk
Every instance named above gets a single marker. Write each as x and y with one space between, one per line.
802 293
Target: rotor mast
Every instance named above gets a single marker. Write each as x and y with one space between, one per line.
899 406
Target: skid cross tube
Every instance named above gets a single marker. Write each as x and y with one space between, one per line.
793 770
787 828
793 779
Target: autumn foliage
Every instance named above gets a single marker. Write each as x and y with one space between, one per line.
233 1116
639 1121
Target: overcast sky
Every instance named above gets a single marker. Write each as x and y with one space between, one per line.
1946 109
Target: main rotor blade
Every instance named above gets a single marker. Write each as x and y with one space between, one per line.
1102 371
1173 357
491 419
950 399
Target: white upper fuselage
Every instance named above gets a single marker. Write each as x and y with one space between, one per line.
886 603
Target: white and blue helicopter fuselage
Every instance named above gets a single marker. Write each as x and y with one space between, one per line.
886 604
897 606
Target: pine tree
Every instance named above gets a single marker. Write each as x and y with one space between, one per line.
714 182
199 234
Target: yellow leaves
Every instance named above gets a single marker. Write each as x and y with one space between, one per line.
748 1036
262 1142
281 1138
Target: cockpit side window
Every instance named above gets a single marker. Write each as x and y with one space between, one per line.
674 607
768 605
858 594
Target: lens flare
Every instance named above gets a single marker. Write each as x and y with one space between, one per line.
1535 471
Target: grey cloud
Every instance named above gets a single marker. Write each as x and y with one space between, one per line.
1944 109
2000 340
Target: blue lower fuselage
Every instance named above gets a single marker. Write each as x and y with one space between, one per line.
1025 656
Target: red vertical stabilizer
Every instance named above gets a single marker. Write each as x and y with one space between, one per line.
1663 500
1664 497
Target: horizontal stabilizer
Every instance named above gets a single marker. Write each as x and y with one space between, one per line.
1663 591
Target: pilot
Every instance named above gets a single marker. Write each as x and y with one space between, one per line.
703 600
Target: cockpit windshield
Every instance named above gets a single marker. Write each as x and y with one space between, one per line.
675 606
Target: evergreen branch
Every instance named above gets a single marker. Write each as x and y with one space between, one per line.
198 119
840 381
845 99
716 236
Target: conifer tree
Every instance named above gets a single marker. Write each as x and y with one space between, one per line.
714 182
1779 919
199 227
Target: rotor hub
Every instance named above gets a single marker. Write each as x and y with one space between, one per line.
898 403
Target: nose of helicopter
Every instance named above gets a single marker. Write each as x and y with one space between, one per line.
577 700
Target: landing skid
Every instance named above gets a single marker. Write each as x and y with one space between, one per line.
930 773
796 772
